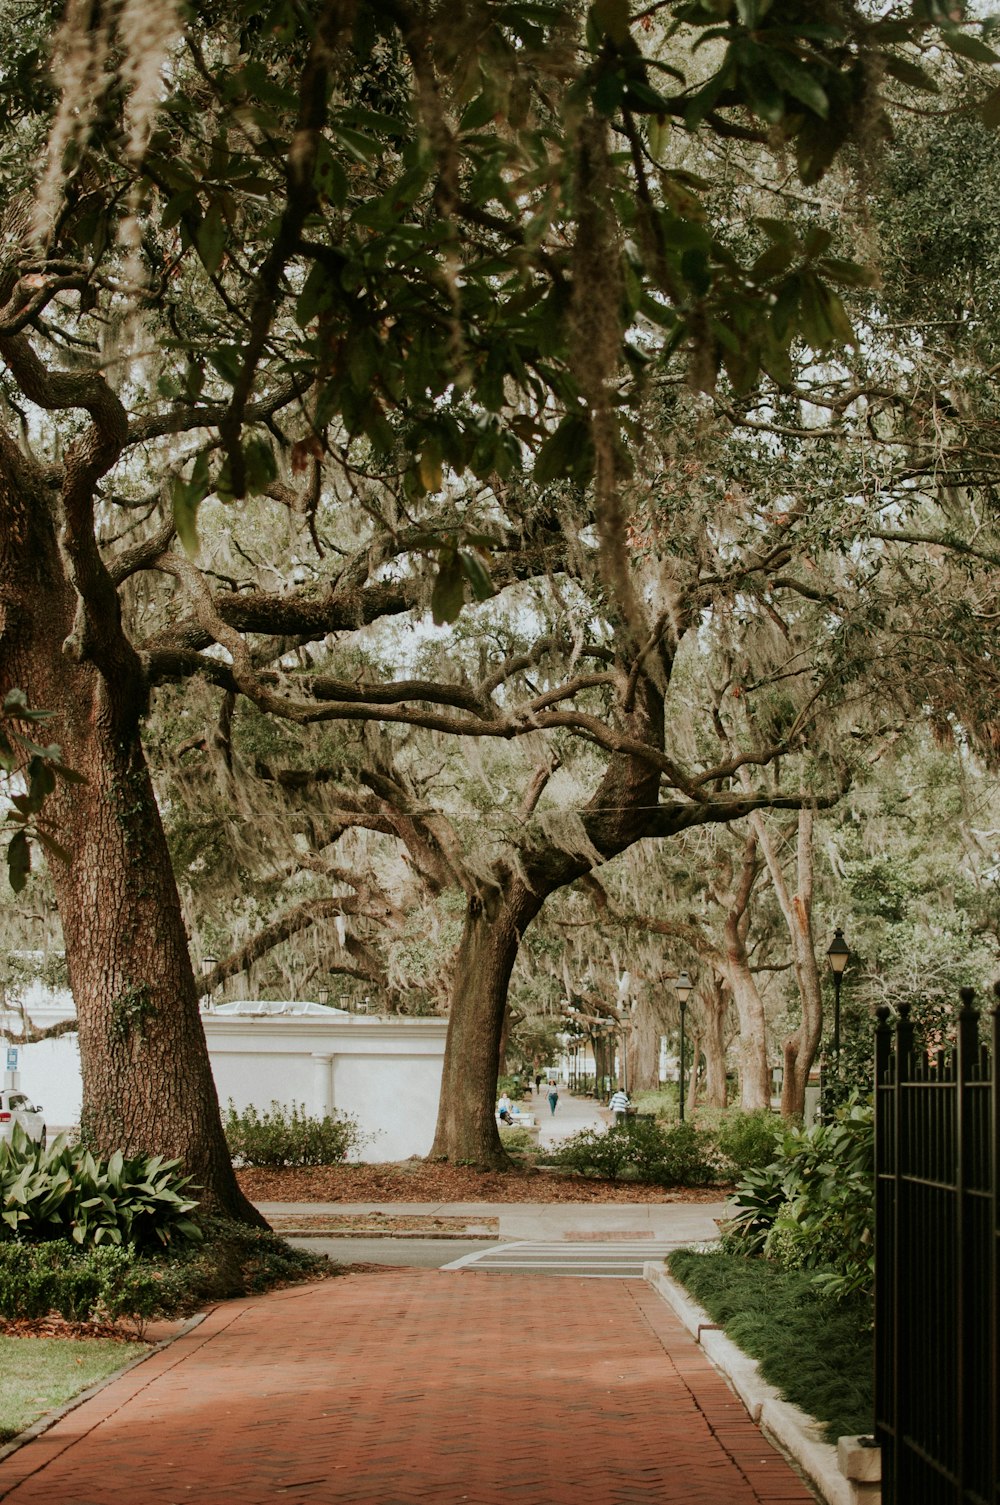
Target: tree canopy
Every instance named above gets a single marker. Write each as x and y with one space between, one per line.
316 320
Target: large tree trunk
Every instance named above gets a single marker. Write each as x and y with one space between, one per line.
801 1046
466 1130
644 1051
755 1071
715 1004
620 813
147 1082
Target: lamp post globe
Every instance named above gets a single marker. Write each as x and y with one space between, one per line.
838 954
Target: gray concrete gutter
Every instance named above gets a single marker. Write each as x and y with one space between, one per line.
792 1430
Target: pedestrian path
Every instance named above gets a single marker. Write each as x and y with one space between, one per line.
615 1259
413 1387
572 1115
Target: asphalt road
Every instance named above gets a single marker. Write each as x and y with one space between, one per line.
411 1253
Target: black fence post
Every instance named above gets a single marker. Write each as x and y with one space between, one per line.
966 1058
994 1258
937 1270
885 1256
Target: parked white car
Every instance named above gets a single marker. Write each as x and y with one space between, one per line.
15 1108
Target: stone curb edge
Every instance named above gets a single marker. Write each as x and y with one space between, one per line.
51 1417
794 1432
373 1233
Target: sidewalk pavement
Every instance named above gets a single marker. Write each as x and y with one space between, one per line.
676 1222
572 1114
416 1388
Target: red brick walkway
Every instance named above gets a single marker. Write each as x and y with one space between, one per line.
416 1386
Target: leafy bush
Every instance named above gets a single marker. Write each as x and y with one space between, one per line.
288 1136
817 1352
117 1283
66 1192
234 1260
642 1150
518 1141
814 1206
103 1283
662 1101
748 1140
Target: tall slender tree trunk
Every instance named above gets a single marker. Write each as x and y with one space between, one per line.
644 1051
754 1068
715 1002
466 1127
620 813
801 1046
147 1082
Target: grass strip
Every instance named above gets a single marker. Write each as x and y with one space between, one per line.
817 1352
41 1374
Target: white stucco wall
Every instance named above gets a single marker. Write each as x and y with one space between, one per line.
383 1072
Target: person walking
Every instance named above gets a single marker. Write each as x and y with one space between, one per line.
619 1105
553 1097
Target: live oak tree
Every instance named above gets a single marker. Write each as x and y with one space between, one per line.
330 264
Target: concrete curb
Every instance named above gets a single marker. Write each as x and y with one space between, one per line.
796 1434
485 1237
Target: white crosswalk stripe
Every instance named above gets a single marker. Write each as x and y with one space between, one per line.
612 1259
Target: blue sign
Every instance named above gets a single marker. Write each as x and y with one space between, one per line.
11 1057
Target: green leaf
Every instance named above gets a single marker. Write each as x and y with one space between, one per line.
429 466
989 110
612 17
910 73
210 238
52 846
186 500
18 861
797 81
477 575
227 360
261 466
448 596
560 454
964 45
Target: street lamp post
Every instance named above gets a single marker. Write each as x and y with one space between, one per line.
208 964
838 954
683 987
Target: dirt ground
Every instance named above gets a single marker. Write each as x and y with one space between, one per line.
423 1181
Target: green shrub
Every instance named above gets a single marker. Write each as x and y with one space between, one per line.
117 1283
748 1140
813 1208
517 1141
662 1101
234 1260
288 1136
66 1192
103 1283
642 1150
817 1352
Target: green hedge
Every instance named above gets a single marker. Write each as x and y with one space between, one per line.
117 1283
643 1150
283 1136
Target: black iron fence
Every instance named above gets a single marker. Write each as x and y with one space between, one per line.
937 1162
